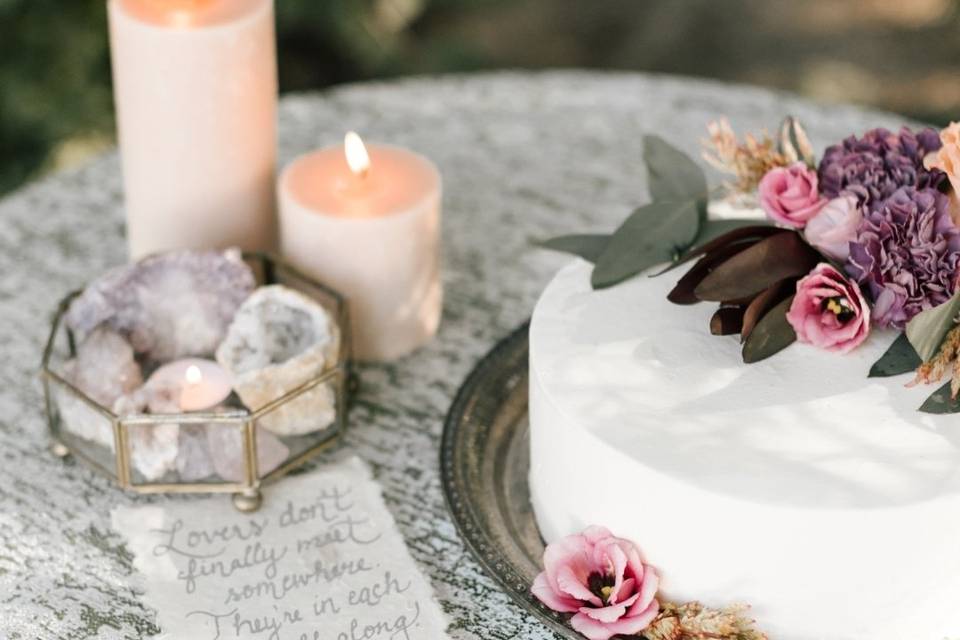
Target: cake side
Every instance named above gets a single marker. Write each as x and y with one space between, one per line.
773 484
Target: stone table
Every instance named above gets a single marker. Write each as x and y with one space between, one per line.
523 155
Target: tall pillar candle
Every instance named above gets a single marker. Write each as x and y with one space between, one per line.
370 228
195 87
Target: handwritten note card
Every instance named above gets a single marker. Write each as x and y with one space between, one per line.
321 560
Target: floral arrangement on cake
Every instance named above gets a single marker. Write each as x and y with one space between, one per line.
867 238
603 582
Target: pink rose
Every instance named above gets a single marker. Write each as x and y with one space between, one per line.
829 311
602 580
832 230
790 196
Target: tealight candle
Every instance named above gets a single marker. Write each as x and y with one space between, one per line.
366 221
195 384
195 87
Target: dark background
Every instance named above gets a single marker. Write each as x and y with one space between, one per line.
902 55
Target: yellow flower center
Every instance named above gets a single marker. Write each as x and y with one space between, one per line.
840 307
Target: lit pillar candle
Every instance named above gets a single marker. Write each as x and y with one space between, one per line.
366 221
195 87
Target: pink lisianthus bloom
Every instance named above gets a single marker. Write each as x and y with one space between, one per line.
602 580
829 311
833 229
790 196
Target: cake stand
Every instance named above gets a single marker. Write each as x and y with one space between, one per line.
484 462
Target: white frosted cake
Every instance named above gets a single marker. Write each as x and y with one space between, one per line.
798 485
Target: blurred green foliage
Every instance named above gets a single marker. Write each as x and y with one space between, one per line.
55 63
902 55
54 79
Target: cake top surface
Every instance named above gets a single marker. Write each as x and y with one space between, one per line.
805 427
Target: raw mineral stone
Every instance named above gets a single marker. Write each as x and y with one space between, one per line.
105 370
170 305
154 448
193 458
279 340
153 397
225 444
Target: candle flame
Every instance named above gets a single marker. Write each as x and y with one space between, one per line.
193 374
357 157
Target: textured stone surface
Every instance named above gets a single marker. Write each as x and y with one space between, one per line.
279 340
225 443
522 156
169 305
105 370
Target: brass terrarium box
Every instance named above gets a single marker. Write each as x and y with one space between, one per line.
242 452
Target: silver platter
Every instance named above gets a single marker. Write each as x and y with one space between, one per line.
484 461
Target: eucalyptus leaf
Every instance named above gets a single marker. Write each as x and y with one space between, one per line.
672 174
900 358
928 328
941 402
589 246
772 334
653 234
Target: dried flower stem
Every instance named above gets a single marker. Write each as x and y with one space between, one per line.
748 160
693 621
934 369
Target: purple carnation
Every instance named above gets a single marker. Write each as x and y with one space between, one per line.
906 252
874 166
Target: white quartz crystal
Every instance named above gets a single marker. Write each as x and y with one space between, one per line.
226 446
279 340
105 370
819 496
154 449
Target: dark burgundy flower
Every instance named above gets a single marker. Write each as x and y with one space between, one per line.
876 165
906 253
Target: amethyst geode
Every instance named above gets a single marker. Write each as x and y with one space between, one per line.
906 253
168 305
873 167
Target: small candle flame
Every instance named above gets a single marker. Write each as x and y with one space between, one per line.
357 157
193 374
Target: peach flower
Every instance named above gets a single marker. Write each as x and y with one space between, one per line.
602 580
947 159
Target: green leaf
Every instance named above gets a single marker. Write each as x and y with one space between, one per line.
900 358
927 329
653 234
673 175
751 271
589 246
772 334
940 402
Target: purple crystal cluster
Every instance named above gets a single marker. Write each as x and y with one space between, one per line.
907 252
873 167
907 249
